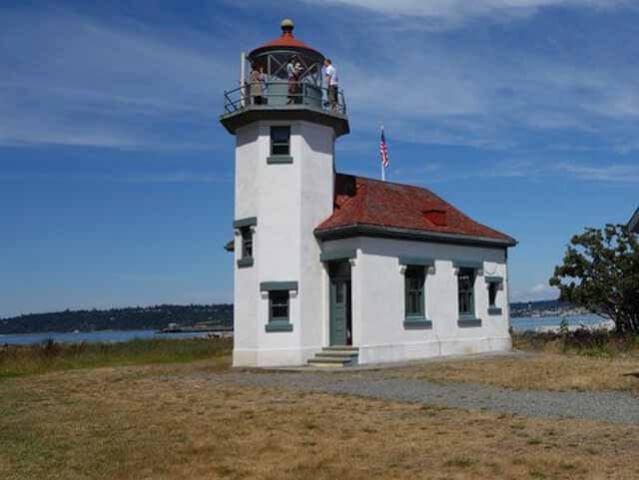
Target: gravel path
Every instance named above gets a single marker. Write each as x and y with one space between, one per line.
613 407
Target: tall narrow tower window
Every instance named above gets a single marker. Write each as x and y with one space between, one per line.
280 141
414 291
247 242
466 291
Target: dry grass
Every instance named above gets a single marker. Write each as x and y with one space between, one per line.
21 360
181 421
544 371
596 362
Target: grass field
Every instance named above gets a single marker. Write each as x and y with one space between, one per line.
182 421
168 420
50 356
580 369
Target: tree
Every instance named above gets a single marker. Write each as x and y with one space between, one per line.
600 272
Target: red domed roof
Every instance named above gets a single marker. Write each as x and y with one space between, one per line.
286 40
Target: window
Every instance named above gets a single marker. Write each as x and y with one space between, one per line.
465 286
278 305
280 141
247 242
414 287
494 284
492 294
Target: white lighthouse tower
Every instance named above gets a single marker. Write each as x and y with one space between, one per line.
285 129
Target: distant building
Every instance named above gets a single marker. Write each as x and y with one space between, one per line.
633 225
335 269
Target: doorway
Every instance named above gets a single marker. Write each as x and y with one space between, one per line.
341 325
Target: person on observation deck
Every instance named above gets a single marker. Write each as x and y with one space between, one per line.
332 83
291 73
256 87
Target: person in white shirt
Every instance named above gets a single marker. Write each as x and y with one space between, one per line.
332 82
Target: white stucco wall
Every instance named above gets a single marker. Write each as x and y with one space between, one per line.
378 301
289 200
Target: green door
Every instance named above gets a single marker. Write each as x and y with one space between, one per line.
340 304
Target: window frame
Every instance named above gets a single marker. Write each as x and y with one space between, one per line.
245 229
275 144
415 269
273 290
246 235
467 317
471 273
493 288
285 302
494 283
414 293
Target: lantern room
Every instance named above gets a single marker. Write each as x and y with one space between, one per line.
284 80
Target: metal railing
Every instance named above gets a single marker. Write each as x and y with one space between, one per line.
277 94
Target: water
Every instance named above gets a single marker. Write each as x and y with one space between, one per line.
523 324
102 336
108 336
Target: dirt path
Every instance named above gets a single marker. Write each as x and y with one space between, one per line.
614 407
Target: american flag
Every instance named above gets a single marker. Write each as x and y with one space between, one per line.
383 150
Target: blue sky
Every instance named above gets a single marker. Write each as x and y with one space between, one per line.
116 180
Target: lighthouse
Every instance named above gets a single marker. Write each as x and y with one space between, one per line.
333 269
284 187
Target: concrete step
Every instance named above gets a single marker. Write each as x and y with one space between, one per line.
344 348
318 363
337 354
335 357
329 362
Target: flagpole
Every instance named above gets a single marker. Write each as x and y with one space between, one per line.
382 163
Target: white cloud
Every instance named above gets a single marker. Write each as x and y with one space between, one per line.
438 14
616 173
75 80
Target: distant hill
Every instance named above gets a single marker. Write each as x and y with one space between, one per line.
543 308
134 318
157 317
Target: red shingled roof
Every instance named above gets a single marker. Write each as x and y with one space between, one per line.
367 202
286 40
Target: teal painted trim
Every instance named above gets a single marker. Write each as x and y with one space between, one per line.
272 286
420 261
245 222
360 230
279 326
494 279
338 255
494 311
468 264
417 323
468 322
245 262
279 159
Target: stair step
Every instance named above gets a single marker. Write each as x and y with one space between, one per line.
341 348
330 360
337 354
317 363
335 357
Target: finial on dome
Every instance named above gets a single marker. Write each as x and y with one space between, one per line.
287 26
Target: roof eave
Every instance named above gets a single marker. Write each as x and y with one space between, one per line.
363 230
